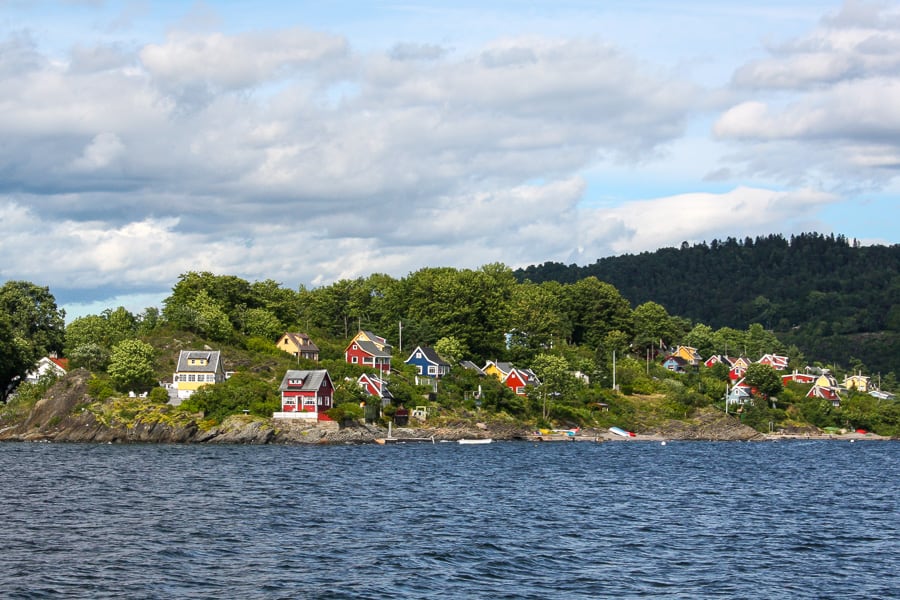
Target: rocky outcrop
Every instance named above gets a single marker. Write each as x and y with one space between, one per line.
707 424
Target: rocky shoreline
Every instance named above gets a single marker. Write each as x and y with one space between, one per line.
57 418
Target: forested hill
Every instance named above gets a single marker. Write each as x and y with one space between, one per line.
829 296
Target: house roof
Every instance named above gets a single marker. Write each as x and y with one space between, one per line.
373 350
212 361
677 360
527 376
377 383
468 364
301 340
690 351
430 355
62 363
312 380
503 367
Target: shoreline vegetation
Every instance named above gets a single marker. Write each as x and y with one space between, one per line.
556 356
67 414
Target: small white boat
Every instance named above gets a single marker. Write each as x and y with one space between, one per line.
620 431
476 441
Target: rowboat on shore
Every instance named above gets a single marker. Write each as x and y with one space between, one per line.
476 441
620 431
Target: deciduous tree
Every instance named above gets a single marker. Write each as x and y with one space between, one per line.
764 378
131 366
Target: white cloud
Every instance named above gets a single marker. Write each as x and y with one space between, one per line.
649 224
238 61
295 154
823 109
103 150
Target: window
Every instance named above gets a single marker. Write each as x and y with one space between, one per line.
290 402
355 360
192 377
309 402
418 355
368 360
419 369
432 370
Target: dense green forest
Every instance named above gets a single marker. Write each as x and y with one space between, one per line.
579 337
837 301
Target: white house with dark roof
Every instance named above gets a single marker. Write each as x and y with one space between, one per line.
195 369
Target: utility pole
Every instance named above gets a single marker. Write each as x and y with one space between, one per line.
614 370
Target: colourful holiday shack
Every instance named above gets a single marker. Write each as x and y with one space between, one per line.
369 350
305 395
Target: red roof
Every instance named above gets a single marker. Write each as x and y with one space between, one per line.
62 363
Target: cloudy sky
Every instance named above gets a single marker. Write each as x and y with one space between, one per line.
308 142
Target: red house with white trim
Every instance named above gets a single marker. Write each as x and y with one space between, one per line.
518 380
798 378
369 350
305 395
779 363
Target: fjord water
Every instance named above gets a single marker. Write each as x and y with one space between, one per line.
801 519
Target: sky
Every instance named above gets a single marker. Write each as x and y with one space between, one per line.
308 142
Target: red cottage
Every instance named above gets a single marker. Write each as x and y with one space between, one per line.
519 379
305 395
369 350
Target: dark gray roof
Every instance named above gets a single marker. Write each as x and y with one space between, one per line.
312 380
505 367
430 354
378 382
370 348
212 357
302 341
468 364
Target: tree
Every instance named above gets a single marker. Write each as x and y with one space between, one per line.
652 324
90 330
556 380
33 315
92 357
122 322
15 357
30 327
259 322
764 378
148 320
595 308
701 338
131 366
535 320
201 314
451 349
226 291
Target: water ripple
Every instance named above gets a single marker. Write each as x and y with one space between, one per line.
509 520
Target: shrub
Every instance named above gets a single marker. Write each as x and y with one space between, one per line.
159 395
346 413
100 388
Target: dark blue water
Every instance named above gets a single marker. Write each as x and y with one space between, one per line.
506 520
